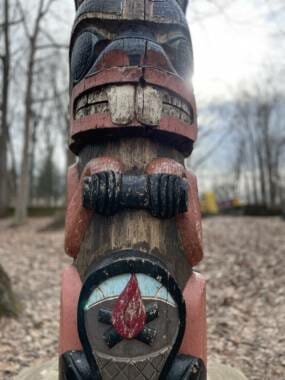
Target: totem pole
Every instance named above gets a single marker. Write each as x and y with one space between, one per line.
132 307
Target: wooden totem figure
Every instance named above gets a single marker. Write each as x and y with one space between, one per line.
132 306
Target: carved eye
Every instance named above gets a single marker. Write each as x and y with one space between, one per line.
83 55
180 54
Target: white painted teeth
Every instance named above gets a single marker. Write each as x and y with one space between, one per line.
127 102
122 103
148 105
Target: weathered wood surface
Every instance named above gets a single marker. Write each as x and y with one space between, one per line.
133 228
133 221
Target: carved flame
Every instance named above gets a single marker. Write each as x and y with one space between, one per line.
129 315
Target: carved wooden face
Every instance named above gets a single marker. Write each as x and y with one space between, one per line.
147 33
128 63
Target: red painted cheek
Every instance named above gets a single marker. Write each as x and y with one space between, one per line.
129 315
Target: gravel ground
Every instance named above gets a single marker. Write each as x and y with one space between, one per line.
244 265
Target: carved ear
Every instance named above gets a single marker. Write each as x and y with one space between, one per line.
78 3
183 4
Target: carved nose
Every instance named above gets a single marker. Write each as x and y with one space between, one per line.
133 51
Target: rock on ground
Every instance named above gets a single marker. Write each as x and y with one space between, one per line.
244 265
9 307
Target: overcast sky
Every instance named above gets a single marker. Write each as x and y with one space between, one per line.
236 46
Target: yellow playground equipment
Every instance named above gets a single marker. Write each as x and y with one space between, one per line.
209 205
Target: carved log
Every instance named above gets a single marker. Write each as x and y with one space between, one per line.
132 305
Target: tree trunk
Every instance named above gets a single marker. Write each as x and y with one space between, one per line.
4 132
24 180
22 202
252 157
32 159
262 175
247 188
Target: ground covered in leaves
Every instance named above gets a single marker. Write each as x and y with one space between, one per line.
244 265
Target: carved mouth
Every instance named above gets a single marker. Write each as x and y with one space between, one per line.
126 103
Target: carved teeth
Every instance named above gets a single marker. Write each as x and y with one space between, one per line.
148 105
126 103
92 109
82 102
97 96
169 110
176 107
122 103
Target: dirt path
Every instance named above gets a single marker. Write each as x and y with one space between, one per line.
244 264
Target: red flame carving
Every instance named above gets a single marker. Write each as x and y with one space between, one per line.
129 315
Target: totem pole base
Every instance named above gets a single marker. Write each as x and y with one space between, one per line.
49 371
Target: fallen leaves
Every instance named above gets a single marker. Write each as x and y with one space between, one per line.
244 265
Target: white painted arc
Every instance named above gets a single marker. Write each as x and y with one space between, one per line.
114 286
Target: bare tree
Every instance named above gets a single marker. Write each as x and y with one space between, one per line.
33 37
260 118
4 131
215 129
8 303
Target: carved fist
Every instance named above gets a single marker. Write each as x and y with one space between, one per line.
164 195
101 192
168 195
